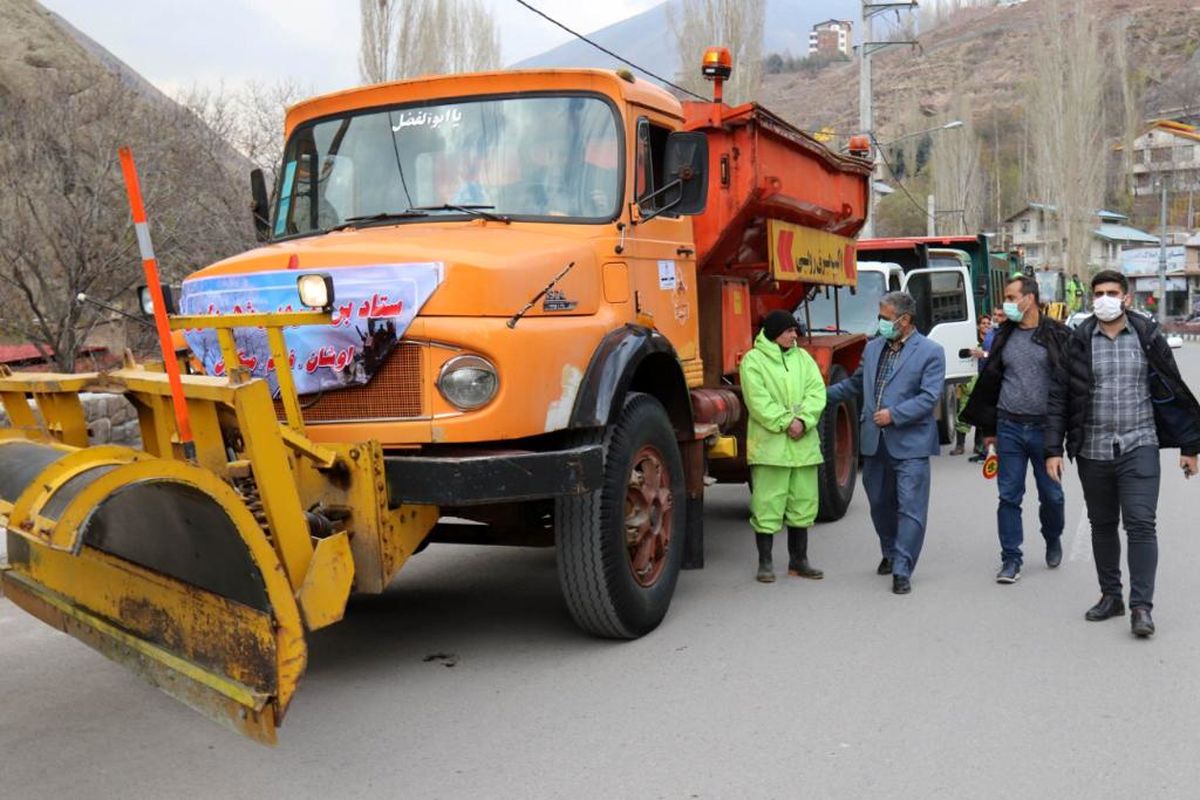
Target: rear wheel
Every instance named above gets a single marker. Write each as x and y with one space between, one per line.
839 447
949 415
620 548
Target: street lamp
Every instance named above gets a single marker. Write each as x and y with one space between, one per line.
949 126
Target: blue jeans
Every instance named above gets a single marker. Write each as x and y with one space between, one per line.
1017 445
898 490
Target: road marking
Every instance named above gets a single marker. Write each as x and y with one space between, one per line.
1081 540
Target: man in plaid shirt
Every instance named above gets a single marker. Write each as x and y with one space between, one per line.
1118 400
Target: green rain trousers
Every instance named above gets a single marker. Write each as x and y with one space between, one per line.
782 495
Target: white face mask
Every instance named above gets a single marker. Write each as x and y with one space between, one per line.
1108 309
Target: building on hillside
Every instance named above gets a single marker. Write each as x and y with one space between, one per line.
831 38
1168 150
1183 277
1034 232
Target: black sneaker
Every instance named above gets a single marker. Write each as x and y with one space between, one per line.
1010 572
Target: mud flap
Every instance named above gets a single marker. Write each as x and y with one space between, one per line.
160 566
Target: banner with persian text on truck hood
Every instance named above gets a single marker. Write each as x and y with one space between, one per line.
372 308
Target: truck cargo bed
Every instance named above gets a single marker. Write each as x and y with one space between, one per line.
762 167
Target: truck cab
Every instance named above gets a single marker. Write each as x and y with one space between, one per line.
520 263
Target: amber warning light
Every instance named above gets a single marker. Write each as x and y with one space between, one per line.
717 64
860 145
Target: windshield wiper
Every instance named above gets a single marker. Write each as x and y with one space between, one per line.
512 322
369 219
474 209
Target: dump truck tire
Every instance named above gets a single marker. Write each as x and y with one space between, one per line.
839 447
620 548
949 416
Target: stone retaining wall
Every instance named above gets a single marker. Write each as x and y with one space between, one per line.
110 418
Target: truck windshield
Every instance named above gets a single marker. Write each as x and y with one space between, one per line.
859 311
554 158
946 260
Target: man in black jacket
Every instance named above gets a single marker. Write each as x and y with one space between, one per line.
1118 401
1008 407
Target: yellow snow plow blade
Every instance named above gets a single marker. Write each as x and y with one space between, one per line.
159 565
202 575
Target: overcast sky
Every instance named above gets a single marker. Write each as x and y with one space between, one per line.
177 43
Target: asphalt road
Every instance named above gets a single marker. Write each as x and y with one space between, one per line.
836 689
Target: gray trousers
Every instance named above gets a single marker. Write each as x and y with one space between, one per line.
1124 489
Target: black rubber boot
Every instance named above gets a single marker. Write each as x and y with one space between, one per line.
960 439
766 569
798 555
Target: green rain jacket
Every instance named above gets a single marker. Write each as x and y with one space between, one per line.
779 387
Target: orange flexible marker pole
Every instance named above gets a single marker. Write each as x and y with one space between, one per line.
150 265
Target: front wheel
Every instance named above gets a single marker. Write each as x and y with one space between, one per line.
620 548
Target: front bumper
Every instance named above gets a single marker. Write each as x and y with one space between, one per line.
494 476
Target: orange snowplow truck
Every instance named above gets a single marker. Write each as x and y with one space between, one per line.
502 309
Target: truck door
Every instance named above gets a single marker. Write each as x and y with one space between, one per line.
661 252
946 314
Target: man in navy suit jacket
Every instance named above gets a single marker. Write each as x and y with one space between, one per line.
897 386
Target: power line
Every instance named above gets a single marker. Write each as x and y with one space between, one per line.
911 199
605 50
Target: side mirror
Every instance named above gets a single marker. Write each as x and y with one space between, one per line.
146 301
686 161
261 208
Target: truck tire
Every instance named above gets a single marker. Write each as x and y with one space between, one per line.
839 447
949 416
619 548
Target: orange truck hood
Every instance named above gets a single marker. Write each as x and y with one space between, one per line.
490 269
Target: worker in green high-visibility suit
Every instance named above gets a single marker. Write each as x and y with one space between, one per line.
1075 294
785 395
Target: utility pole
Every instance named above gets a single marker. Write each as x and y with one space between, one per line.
866 122
866 113
1162 249
930 215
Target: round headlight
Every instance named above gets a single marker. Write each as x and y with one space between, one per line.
468 382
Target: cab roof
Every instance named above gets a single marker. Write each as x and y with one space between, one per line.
434 88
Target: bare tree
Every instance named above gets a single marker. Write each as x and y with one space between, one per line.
64 219
1066 113
957 182
250 119
406 38
1128 100
378 26
699 24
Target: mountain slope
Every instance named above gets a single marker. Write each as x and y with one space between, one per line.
647 40
982 54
